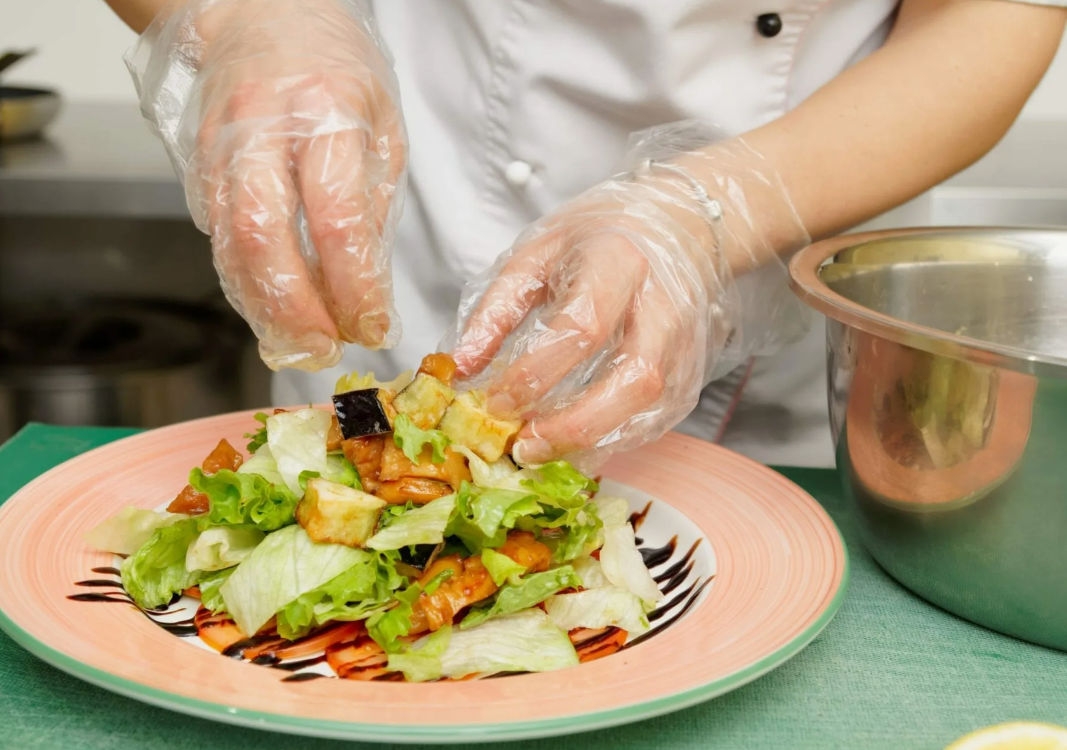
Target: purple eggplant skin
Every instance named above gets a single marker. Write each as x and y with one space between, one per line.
361 413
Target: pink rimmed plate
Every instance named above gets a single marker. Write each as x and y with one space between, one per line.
756 571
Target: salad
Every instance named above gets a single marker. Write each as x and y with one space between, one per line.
395 533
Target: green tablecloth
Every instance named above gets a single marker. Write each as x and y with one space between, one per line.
889 672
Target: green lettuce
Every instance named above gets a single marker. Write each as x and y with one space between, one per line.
387 628
420 525
156 572
221 547
421 661
363 590
608 606
526 641
258 438
210 596
412 440
127 531
245 499
297 441
501 567
562 485
285 565
482 517
527 592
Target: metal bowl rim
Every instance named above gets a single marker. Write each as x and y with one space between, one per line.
806 283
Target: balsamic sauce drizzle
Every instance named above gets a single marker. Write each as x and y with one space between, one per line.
669 579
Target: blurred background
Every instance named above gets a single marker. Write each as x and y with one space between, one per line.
110 311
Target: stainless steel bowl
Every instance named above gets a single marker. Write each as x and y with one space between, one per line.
947 380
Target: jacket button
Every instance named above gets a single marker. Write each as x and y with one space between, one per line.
518 173
769 25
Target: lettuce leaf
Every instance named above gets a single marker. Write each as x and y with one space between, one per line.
560 484
412 440
156 572
528 592
613 511
387 628
245 499
285 565
421 661
501 567
128 530
482 517
607 606
527 641
359 592
421 525
591 572
353 381
258 438
221 547
262 463
487 475
623 565
210 596
297 440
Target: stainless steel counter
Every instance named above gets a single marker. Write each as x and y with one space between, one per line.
101 160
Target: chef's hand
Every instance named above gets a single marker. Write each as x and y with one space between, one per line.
606 318
282 118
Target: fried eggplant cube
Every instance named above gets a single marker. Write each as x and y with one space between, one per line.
424 401
467 422
366 412
332 513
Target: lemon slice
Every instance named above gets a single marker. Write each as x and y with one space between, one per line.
1014 736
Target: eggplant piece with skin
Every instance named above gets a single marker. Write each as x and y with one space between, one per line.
366 412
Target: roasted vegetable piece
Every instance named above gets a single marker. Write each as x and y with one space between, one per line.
416 489
424 401
469 583
218 631
365 454
361 659
467 422
366 412
189 502
523 548
395 465
335 514
596 644
334 438
192 503
440 366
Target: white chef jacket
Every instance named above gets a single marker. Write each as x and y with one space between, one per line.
515 106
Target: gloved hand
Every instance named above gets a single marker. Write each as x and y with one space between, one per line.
283 120
606 318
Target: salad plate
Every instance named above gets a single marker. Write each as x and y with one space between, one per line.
749 568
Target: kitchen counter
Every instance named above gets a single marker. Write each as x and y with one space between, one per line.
100 159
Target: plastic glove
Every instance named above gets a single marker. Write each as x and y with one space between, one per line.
606 318
282 119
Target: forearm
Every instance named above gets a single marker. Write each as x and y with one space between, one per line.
943 90
137 14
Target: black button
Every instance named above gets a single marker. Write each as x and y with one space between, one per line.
769 25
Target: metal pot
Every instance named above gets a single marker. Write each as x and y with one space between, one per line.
127 363
947 381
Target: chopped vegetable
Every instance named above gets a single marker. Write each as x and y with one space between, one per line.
623 565
523 642
366 412
395 465
606 606
156 572
424 401
413 440
335 514
528 591
297 441
128 530
242 499
412 490
468 423
221 547
422 525
440 366
285 565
